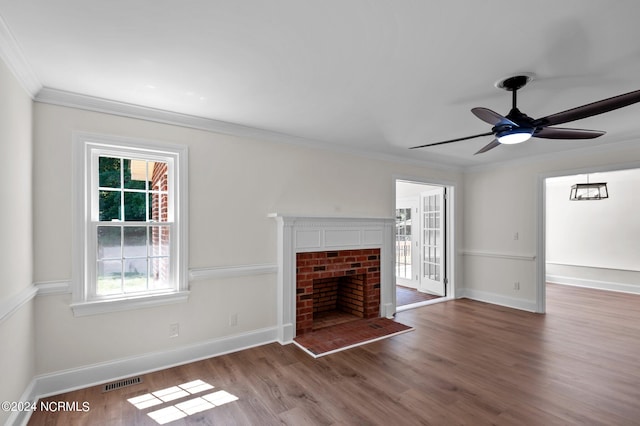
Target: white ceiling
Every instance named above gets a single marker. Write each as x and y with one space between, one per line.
371 76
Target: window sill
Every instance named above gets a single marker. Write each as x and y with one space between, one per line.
82 309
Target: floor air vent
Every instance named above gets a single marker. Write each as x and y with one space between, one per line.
121 384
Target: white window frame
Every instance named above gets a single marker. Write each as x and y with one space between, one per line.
86 148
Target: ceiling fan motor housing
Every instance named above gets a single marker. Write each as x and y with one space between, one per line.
514 83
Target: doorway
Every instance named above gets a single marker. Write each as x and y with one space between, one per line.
589 243
421 240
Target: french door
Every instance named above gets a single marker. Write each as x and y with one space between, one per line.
432 241
407 247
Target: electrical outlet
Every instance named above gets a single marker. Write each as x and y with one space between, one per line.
516 285
516 236
174 330
233 320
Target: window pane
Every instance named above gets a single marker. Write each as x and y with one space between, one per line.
159 207
159 176
135 174
159 241
159 273
135 206
109 172
109 242
109 205
135 241
109 277
135 275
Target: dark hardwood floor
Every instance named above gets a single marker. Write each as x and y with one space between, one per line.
466 363
407 296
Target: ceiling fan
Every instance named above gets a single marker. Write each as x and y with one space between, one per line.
517 127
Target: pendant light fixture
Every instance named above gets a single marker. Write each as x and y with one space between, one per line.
589 191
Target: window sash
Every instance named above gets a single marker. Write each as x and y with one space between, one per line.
125 260
87 149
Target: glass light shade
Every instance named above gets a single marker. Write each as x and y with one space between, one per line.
589 191
514 136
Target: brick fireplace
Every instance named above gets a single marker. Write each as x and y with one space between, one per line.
355 254
347 281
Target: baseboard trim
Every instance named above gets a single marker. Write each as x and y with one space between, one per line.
595 284
22 417
78 378
499 299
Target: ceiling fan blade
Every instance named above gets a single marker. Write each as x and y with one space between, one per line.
589 110
452 140
491 117
489 146
565 133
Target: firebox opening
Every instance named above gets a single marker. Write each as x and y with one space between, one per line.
338 299
358 270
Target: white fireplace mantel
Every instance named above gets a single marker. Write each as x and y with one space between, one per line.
298 234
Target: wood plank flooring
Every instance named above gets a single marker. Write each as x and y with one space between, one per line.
407 296
466 363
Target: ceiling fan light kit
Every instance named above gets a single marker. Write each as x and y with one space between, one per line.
517 127
514 136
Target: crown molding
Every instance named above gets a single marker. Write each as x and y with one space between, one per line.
90 103
12 55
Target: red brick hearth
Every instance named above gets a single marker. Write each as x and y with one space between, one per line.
355 272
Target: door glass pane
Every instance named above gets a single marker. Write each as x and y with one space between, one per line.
432 222
403 243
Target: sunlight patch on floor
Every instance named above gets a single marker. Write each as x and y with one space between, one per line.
184 408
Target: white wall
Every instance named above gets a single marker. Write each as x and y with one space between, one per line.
16 258
595 243
411 189
503 200
234 184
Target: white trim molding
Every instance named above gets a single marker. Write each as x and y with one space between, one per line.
126 304
499 299
595 284
87 147
12 55
511 256
63 98
53 287
201 274
297 234
11 304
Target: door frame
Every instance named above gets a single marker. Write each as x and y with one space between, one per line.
451 220
541 211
